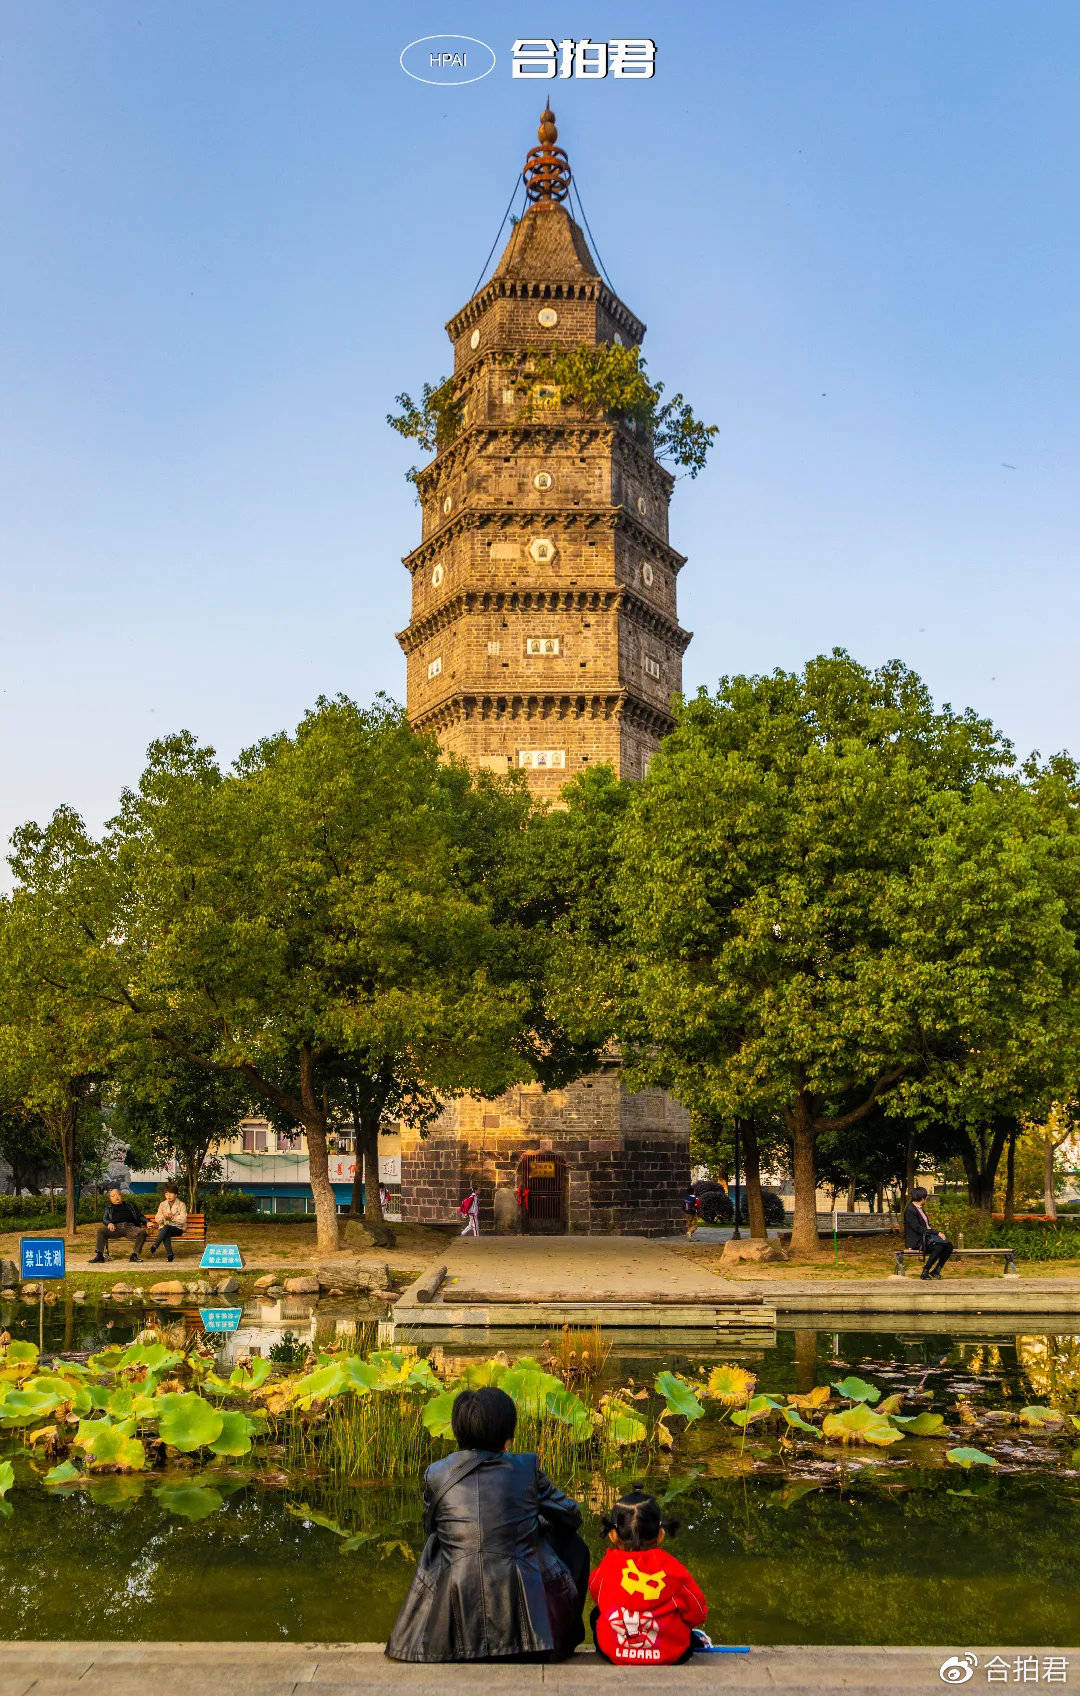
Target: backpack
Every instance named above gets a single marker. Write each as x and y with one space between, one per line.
691 1203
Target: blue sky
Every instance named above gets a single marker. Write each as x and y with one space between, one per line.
234 231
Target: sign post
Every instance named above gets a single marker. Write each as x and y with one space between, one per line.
221 1257
41 1258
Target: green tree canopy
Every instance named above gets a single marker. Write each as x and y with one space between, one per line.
59 1011
830 894
334 903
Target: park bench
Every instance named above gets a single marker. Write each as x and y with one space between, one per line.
194 1232
1005 1254
857 1224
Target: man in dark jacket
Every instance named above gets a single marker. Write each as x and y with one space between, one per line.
503 1575
920 1234
120 1219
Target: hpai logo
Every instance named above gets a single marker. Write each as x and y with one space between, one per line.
445 59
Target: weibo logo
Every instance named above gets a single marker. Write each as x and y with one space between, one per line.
442 59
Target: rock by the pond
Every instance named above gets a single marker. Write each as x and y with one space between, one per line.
751 1249
507 1213
122 1289
305 1286
8 1295
9 1274
227 1286
267 1281
29 1292
167 1287
79 1295
358 1276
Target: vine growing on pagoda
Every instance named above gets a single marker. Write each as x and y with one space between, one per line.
433 421
603 379
607 380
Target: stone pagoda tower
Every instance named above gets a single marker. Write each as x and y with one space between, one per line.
544 638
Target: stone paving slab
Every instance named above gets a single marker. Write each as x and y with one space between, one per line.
360 1669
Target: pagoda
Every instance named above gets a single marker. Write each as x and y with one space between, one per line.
544 638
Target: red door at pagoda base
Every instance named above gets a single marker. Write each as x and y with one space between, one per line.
543 1177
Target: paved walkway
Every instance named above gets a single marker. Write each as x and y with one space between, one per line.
617 1267
354 1669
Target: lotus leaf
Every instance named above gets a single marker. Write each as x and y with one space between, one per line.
482 1373
114 1446
622 1427
21 1354
236 1433
154 1356
89 1398
436 1414
679 1396
121 1403
969 1457
795 1420
529 1387
891 1404
760 1408
857 1390
923 1424
252 1376
107 1360
731 1386
191 1501
26 1407
815 1398
860 1424
51 1383
66 1473
1040 1416
7 1476
569 1410
362 1377
320 1385
188 1422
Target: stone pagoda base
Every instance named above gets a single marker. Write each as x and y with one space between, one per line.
596 1158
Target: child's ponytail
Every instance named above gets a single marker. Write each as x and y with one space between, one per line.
637 1521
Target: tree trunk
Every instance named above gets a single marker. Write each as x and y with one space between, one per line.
191 1166
356 1200
909 1169
67 1138
755 1207
368 1140
980 1166
851 1196
1010 1179
315 1122
1049 1199
804 1232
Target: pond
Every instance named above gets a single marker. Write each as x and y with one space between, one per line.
875 1548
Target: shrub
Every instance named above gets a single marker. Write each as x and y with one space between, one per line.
228 1204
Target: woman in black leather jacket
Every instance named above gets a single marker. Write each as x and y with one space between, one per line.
503 1575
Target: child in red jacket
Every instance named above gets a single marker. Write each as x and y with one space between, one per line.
647 1604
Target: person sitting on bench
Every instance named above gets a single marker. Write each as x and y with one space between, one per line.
120 1219
171 1221
919 1234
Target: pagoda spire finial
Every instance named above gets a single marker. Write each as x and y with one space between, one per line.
547 169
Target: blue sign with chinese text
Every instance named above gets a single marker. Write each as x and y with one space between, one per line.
42 1257
221 1318
222 1255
